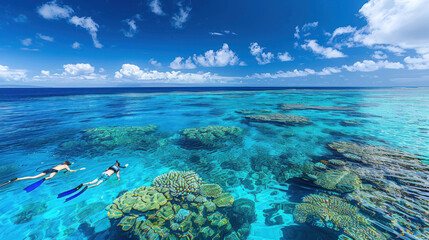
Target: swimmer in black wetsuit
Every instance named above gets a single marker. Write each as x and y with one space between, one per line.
106 174
52 172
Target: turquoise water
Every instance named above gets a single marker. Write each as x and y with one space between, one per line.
34 127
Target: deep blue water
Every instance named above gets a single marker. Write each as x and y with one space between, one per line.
35 123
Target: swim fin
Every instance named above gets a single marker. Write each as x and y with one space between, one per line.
6 183
34 185
63 194
77 194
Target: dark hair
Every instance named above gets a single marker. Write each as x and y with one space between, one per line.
118 163
67 163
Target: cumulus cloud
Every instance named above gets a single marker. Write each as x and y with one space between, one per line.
296 73
220 58
88 24
181 17
9 74
51 10
72 72
76 45
155 7
370 66
178 63
130 72
26 42
417 63
44 37
379 55
284 57
261 56
326 52
155 63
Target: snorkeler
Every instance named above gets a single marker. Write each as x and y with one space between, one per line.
116 168
52 172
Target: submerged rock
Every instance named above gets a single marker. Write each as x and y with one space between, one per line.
277 118
341 181
335 213
175 217
252 111
310 107
209 137
99 140
398 188
30 211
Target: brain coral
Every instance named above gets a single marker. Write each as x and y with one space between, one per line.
179 183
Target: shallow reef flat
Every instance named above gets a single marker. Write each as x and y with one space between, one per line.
221 165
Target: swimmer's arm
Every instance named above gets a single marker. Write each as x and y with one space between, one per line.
68 169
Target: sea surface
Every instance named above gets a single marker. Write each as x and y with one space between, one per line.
37 124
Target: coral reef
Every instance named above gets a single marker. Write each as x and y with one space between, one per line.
154 213
252 111
397 189
335 213
179 183
210 190
341 181
209 137
30 211
278 119
287 107
96 141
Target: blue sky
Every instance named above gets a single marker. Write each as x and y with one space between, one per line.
215 43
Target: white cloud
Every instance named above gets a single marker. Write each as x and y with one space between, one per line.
132 26
329 71
221 58
101 70
296 34
370 66
379 55
30 49
308 26
26 42
224 32
76 45
51 10
130 72
261 56
398 25
78 69
155 63
155 6
21 18
284 57
326 52
296 73
418 63
181 17
46 38
343 30
88 24
12 74
72 72
178 64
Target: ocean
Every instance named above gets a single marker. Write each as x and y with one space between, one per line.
312 163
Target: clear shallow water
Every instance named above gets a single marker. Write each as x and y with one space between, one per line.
35 124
